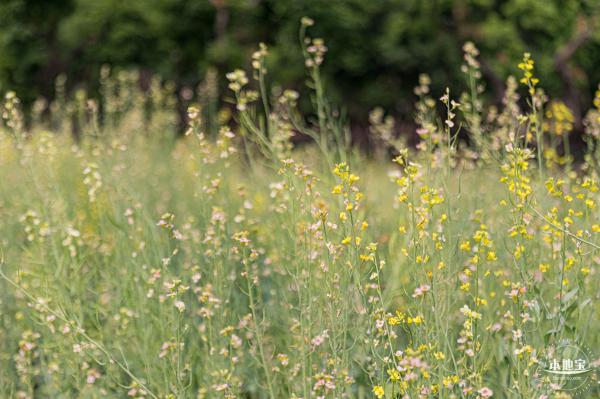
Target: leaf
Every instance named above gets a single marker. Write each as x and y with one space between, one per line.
584 303
569 296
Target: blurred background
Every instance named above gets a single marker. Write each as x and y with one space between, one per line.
376 49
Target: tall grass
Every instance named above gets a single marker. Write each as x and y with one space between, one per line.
230 263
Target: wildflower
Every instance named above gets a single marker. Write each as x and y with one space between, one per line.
92 179
465 246
306 21
450 381
559 119
316 50
378 391
242 238
469 313
319 339
92 376
283 359
394 375
237 80
180 305
528 79
527 349
367 257
166 221
416 320
421 290
258 59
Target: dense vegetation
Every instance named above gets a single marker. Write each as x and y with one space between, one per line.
235 264
377 48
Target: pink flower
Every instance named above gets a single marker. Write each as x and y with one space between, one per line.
319 339
421 290
485 392
422 131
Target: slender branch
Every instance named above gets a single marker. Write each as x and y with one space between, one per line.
567 232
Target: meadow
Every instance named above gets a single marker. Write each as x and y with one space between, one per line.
233 262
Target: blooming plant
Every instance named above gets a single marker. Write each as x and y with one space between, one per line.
233 262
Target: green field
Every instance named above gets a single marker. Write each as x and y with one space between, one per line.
233 263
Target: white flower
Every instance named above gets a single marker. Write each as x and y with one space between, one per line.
180 306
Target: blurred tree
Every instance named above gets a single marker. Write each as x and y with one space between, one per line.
30 54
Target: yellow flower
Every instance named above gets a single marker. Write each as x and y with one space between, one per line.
353 179
367 257
481 301
528 79
420 259
394 375
450 381
559 119
378 391
590 203
416 320
569 263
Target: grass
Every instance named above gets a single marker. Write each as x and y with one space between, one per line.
232 264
